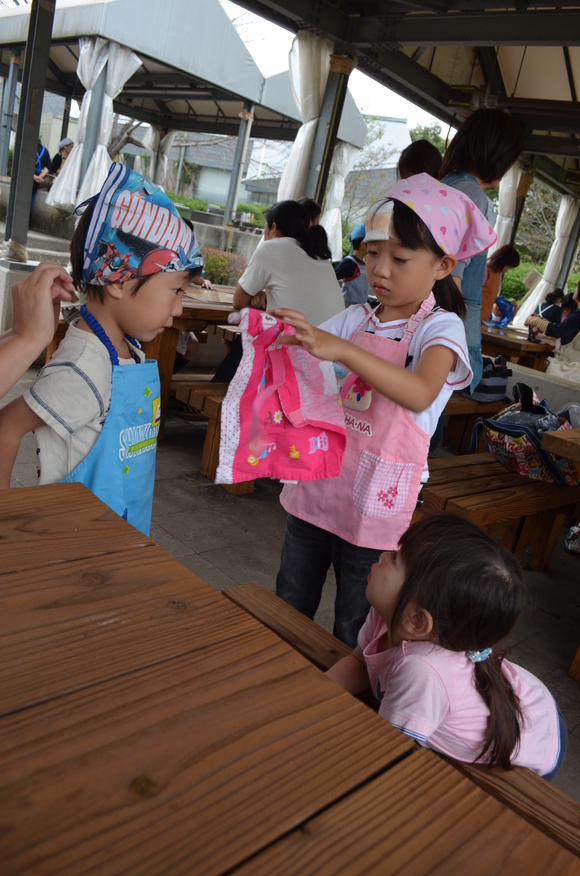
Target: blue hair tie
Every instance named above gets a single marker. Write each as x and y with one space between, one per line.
479 656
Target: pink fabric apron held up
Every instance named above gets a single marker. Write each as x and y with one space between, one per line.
372 502
282 416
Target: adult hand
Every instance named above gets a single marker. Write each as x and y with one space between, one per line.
319 343
527 320
36 304
37 178
259 301
207 284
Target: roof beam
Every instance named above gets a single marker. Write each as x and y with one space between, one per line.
541 145
552 173
531 28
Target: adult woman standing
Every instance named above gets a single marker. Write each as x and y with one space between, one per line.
291 267
483 150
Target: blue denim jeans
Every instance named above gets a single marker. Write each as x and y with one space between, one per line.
307 554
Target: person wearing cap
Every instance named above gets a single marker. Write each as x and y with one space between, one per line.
397 366
95 406
41 167
64 149
352 269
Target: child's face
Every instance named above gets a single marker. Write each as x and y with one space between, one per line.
384 585
146 314
402 277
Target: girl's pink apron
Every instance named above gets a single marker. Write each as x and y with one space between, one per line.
372 501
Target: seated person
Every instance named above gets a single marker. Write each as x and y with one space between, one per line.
352 269
551 307
503 311
569 305
64 150
95 406
566 330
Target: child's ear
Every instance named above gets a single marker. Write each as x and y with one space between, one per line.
446 265
120 290
416 622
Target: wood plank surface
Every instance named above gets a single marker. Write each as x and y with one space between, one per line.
436 496
446 462
518 501
189 766
75 624
315 643
417 818
486 469
538 801
58 523
565 444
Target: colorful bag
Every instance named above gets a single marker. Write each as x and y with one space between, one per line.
282 416
518 444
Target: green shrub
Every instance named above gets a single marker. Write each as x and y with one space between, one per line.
513 285
192 203
223 268
197 204
10 157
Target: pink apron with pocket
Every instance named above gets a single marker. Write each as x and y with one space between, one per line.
282 416
372 502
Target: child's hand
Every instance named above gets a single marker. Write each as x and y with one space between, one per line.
319 343
36 303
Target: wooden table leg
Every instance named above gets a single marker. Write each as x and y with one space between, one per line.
163 348
575 668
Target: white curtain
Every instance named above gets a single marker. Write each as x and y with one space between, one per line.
343 161
121 62
309 67
566 217
160 146
508 192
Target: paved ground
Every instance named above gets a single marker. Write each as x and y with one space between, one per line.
227 540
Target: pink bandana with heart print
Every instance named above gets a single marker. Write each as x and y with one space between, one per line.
457 225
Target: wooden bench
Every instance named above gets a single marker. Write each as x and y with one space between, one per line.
206 398
227 333
536 800
525 515
461 415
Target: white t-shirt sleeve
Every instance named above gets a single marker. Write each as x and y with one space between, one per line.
446 330
415 699
344 324
258 273
66 398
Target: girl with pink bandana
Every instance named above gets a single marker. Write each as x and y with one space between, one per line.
408 355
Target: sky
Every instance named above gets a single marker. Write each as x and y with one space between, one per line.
269 45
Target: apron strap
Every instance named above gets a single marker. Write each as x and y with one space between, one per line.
276 360
98 330
415 321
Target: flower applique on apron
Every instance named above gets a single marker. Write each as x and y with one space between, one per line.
120 467
372 502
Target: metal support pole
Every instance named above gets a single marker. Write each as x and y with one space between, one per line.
32 93
65 119
246 119
570 254
179 169
93 122
7 114
526 180
327 129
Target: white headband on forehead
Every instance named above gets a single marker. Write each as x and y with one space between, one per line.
378 221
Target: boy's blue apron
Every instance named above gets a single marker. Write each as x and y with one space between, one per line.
471 289
120 468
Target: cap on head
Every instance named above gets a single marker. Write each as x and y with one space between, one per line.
135 231
457 225
357 233
66 141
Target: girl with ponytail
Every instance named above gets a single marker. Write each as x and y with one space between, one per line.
429 650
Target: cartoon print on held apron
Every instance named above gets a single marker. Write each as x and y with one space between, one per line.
120 468
372 502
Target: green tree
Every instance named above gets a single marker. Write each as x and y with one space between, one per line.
431 133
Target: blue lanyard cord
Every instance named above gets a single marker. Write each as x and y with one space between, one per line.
103 337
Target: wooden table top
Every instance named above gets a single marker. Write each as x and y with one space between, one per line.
148 725
564 443
516 339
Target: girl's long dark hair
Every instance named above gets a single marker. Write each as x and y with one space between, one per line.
505 257
487 144
414 234
292 221
474 590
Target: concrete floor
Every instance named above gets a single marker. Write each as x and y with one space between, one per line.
229 540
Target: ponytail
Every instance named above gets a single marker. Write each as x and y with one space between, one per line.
502 740
448 296
292 220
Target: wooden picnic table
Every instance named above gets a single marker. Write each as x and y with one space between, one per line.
150 725
208 307
564 443
513 343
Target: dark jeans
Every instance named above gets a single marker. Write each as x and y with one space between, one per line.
229 366
307 553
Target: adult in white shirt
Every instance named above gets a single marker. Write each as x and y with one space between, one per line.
292 267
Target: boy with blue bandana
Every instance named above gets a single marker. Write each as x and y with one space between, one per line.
94 407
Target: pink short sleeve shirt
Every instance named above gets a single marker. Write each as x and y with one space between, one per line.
428 692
